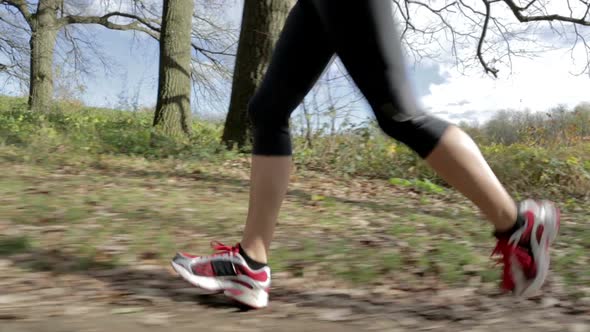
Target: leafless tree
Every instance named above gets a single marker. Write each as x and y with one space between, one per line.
492 32
40 23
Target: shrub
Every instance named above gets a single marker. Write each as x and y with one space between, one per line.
528 165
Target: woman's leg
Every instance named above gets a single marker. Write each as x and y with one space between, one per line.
365 38
371 51
269 179
301 55
457 159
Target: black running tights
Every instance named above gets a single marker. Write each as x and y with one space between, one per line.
363 35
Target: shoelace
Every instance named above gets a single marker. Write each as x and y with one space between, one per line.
223 249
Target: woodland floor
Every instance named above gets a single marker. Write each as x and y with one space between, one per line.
84 246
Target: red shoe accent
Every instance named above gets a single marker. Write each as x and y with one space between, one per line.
204 270
234 292
189 255
243 283
520 250
219 247
522 256
530 222
540 230
258 276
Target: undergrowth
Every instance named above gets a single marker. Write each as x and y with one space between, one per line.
75 133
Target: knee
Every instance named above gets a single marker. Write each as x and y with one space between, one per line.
270 127
420 132
263 112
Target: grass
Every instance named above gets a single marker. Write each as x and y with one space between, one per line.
14 245
108 216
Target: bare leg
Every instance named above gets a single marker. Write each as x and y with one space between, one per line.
268 186
455 158
289 77
458 160
375 61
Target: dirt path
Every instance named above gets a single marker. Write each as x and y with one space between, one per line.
153 299
81 251
196 320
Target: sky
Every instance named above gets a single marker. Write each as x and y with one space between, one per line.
456 94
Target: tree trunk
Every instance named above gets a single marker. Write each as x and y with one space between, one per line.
173 115
307 117
262 22
44 28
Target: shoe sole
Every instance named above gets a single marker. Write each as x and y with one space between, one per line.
255 299
550 215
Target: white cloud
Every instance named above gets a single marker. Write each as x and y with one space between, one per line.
538 84
94 7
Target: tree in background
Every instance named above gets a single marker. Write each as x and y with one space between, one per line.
29 31
44 20
173 112
557 126
262 22
488 33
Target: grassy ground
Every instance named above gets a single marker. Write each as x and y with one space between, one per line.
103 211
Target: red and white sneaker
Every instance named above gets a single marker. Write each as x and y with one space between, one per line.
525 253
226 271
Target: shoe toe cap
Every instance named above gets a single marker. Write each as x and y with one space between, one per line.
182 260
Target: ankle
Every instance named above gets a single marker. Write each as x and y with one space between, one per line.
507 232
253 261
254 248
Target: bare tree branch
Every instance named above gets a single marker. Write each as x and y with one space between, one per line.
457 25
207 53
518 12
153 24
586 46
76 44
15 50
484 31
21 5
432 9
139 24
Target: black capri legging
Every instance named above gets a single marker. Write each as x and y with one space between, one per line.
363 34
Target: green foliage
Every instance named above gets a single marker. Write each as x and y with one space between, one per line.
361 151
13 103
417 184
553 170
517 147
14 245
556 169
530 162
100 131
556 127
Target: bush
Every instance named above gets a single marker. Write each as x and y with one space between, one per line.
526 166
101 131
551 169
